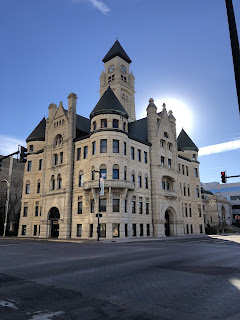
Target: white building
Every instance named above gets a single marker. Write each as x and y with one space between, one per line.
152 185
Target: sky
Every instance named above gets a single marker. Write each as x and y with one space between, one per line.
180 52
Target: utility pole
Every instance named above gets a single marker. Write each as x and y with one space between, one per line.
8 183
234 45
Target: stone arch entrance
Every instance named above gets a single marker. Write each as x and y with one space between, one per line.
54 216
169 223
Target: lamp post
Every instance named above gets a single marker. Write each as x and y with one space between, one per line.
8 183
99 193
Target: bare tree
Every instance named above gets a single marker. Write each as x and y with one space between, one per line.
14 203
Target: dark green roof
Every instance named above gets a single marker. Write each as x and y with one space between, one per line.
185 143
82 126
82 129
109 103
137 130
116 51
38 133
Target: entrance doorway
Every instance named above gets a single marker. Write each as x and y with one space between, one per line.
54 216
167 224
54 229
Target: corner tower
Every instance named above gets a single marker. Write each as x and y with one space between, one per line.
117 75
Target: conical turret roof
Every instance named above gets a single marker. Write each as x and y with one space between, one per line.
185 143
109 103
116 51
38 133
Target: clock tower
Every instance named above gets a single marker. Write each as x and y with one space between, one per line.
117 75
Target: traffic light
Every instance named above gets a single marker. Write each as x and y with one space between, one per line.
223 176
23 154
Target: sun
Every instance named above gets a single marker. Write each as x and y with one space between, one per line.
181 111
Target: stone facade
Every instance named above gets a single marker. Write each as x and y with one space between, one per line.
217 210
151 177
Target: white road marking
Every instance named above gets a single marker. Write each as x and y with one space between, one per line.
5 303
46 315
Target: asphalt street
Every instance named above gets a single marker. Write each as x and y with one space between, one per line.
195 278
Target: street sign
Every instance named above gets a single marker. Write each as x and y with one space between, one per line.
99 214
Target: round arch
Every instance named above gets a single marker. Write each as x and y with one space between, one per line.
54 214
170 218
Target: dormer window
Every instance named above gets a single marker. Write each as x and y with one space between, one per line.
103 123
115 123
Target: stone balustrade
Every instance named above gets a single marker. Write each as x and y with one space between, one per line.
118 184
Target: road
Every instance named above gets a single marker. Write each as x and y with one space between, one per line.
195 279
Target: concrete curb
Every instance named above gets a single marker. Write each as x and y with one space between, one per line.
132 240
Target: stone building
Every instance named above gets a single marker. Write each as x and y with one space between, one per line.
231 191
151 177
217 210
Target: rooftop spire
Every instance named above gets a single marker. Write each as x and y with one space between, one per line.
116 51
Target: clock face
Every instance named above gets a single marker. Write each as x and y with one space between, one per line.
123 69
111 69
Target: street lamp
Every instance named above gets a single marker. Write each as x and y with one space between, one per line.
7 204
99 193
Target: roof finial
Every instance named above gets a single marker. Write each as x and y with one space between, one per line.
164 105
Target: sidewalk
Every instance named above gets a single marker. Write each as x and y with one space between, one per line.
127 240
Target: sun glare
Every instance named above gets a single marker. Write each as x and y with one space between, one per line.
182 113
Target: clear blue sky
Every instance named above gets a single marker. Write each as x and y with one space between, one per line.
180 52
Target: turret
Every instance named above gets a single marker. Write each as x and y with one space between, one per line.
72 102
52 111
152 120
102 79
132 80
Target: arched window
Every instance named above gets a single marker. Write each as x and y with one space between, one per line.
133 176
125 173
55 159
115 172
146 181
93 173
52 183
59 181
58 141
184 189
139 180
38 186
27 188
103 171
80 180
197 192
168 183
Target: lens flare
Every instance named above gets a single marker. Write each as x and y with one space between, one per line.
182 113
